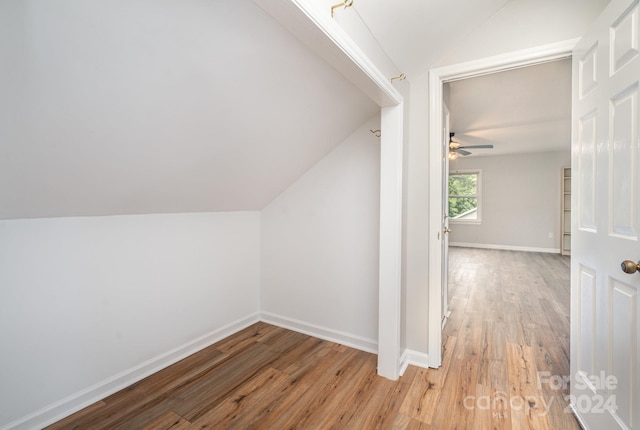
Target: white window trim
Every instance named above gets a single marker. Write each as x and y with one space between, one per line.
478 220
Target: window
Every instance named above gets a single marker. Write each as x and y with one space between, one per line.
464 196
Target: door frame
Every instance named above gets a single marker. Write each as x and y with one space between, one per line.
437 77
444 284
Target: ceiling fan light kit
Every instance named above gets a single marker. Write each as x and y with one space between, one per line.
456 149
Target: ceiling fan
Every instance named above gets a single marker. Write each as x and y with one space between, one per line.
456 149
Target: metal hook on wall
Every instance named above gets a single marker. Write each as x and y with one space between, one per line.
401 77
378 133
345 3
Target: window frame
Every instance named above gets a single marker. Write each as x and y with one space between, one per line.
477 196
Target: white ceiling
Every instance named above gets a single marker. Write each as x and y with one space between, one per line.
119 107
418 34
517 111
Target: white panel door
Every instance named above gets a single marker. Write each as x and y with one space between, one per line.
605 325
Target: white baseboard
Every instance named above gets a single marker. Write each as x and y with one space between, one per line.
347 339
404 363
505 247
67 406
415 358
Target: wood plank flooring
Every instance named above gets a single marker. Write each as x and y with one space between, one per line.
509 321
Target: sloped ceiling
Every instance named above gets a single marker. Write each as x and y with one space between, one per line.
418 34
518 111
151 106
522 24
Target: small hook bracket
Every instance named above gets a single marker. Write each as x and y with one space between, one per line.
346 4
378 133
400 77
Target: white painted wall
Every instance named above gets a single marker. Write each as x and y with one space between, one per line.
405 88
320 245
416 320
520 201
84 299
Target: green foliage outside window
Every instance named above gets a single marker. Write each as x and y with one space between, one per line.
463 194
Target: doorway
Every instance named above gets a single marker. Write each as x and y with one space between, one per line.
510 140
504 312
510 144
437 78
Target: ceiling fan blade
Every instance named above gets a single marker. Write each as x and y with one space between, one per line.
478 146
461 151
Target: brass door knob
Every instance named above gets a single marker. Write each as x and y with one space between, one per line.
629 266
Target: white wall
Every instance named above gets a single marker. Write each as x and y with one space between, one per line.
320 245
405 88
520 201
417 244
84 299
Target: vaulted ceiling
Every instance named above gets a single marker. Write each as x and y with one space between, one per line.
150 106
418 34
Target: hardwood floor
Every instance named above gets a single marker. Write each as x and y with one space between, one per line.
510 320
